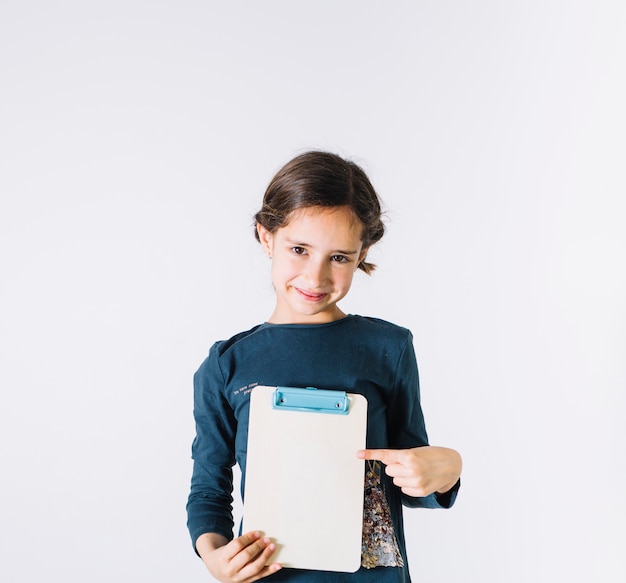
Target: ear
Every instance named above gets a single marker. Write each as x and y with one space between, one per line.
266 238
362 256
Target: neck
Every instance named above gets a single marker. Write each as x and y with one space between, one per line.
278 317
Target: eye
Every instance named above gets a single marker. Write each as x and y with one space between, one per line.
298 250
340 259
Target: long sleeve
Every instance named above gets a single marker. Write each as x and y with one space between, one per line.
405 419
405 414
209 506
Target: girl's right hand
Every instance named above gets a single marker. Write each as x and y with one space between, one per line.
241 560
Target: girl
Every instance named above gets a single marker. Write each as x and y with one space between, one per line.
319 218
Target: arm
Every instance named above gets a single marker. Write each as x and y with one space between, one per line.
209 507
428 476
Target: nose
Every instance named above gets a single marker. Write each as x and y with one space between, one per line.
316 273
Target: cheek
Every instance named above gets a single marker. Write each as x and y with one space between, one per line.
282 269
344 279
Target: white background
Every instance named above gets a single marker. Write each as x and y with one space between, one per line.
136 140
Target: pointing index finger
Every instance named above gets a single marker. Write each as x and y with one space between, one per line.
385 456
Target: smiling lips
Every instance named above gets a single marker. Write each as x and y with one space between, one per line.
310 296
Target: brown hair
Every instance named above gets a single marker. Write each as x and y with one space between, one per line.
325 180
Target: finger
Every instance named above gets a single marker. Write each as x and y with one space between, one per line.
399 470
411 482
416 492
269 570
259 568
386 456
240 543
253 554
416 486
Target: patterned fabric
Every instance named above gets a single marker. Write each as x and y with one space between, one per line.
379 546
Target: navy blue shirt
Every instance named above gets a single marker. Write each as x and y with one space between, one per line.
355 354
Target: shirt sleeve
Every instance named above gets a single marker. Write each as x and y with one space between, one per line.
445 500
407 426
209 506
405 419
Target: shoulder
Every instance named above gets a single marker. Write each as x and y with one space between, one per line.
381 335
381 328
222 348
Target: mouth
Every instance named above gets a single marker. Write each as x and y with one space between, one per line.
310 296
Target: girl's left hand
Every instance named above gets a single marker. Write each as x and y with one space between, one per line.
419 471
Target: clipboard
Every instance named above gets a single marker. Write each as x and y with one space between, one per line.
304 483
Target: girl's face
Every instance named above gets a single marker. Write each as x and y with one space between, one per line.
314 257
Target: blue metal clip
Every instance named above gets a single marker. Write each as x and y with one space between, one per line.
311 399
